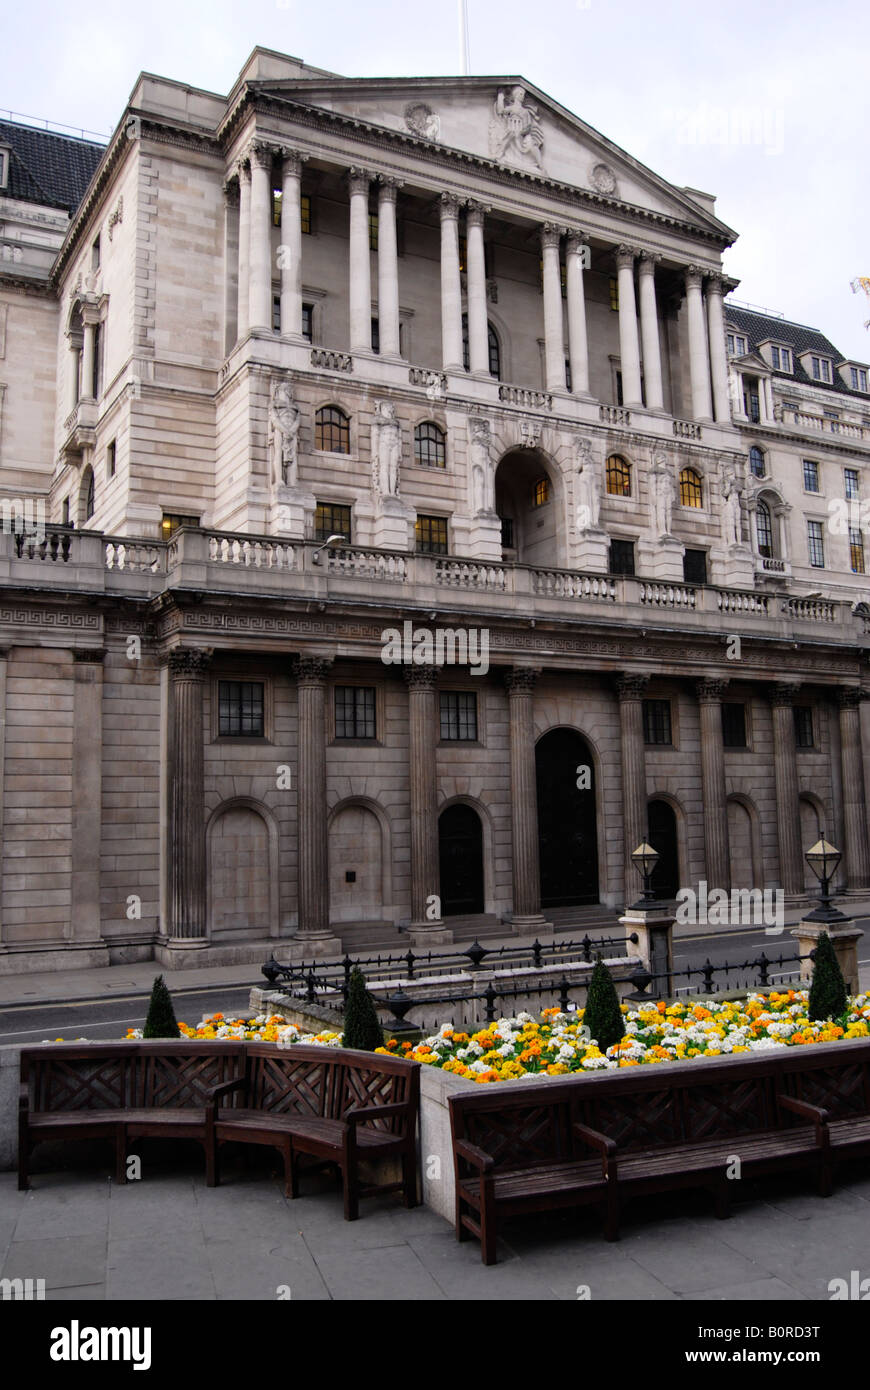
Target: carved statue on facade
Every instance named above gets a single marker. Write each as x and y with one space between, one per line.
664 494
515 128
482 472
386 450
587 488
732 529
423 121
283 436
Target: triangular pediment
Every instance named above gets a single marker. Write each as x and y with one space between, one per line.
508 121
752 362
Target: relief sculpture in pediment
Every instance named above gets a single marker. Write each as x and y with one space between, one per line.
514 128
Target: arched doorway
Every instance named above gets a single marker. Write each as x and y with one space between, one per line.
460 858
355 866
567 833
240 879
527 500
811 831
740 845
662 826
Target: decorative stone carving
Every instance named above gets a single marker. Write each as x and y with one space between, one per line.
630 686
283 438
664 493
482 472
386 450
521 680
850 696
710 691
420 677
732 529
587 487
311 670
115 217
603 179
421 120
189 663
782 693
530 432
514 128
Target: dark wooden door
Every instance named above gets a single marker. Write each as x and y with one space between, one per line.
460 855
567 835
663 838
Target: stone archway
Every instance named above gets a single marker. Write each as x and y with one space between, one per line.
356 865
460 860
662 828
528 499
242 889
567 820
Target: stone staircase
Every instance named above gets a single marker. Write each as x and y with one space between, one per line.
367 938
596 920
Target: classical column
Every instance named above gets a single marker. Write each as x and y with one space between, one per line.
89 355
360 289
718 355
520 682
699 363
630 689
310 673
718 865
243 316
290 262
857 852
451 286
87 792
649 332
187 668
478 327
422 737
629 350
788 814
260 295
388 268
231 222
554 333
4 662
75 360
578 349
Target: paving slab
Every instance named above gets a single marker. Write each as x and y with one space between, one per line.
359 1274
63 1262
754 1291
143 1207
263 1269
164 1267
66 1210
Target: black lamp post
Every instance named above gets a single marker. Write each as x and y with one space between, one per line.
644 860
823 859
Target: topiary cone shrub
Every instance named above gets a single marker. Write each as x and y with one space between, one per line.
161 1021
361 1027
603 1016
828 996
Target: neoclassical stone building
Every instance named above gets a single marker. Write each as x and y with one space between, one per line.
400 523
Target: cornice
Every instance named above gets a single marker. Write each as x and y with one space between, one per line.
23 284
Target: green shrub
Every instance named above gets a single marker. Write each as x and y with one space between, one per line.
361 1027
603 1016
828 995
161 1022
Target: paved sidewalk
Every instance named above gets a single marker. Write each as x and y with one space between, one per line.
170 1237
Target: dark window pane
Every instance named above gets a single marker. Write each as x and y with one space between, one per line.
622 557
354 711
803 726
331 519
240 709
657 721
429 448
458 716
734 726
431 534
695 567
332 430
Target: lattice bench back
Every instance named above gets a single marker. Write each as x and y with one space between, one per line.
327 1082
114 1076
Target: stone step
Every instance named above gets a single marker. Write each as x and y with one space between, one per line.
480 926
578 921
361 938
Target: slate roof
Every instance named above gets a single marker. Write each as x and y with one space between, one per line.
46 168
757 328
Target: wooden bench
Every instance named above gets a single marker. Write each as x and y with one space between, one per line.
122 1091
603 1138
331 1104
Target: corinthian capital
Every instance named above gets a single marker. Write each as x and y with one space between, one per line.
261 154
388 188
630 686
420 677
311 670
359 179
784 693
710 691
476 212
714 284
849 696
189 663
694 277
625 257
521 680
292 161
551 234
648 262
449 206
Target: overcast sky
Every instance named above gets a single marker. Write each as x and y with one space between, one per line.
762 102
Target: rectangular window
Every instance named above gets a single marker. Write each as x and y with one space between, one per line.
856 550
695 567
463 253
614 293
851 479
331 519
240 709
507 533
431 534
816 544
811 476
774 357
354 711
95 255
308 322
98 362
821 368
276 313
741 346
803 726
305 210
306 214
622 557
541 492
376 335
781 359
730 341
458 717
734 726
657 721
172 521
859 378
373 231
567 375
111 458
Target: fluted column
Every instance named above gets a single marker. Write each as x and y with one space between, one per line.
520 684
699 365
554 332
478 328
360 272
260 297
187 668
75 357
788 814
243 316
89 356
451 286
388 268
857 851
290 262
422 737
630 689
310 674
649 332
629 349
578 348
231 222
87 808
718 354
718 864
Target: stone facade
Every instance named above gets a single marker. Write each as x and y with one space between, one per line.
451 317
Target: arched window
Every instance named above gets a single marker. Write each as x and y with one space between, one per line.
618 476
764 530
494 349
429 445
87 495
756 462
690 488
332 430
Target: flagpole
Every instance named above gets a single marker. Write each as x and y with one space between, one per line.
463 38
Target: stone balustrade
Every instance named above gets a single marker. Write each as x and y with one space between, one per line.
657 595
614 415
